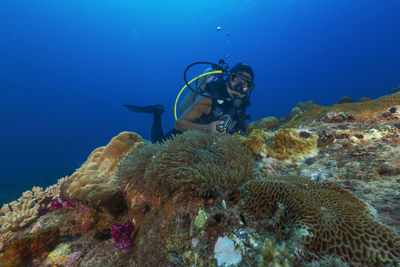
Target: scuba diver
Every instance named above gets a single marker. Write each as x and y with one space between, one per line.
218 102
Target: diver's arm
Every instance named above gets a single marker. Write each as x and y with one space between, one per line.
200 107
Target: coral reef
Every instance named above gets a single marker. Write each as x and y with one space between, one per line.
365 99
396 90
346 99
290 144
58 202
336 222
22 212
276 255
294 112
94 181
192 162
268 124
255 140
284 144
305 106
54 191
225 252
22 251
319 187
122 235
316 113
300 108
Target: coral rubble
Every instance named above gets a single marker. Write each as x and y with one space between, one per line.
319 187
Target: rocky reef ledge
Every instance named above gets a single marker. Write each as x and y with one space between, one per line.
319 187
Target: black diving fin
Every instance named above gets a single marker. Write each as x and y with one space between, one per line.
146 109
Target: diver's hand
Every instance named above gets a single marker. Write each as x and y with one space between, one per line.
213 126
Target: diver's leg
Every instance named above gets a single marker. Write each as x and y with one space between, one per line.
157 133
156 129
146 109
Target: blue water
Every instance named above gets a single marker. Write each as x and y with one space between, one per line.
66 66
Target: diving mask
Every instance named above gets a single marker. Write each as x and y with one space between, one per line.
240 83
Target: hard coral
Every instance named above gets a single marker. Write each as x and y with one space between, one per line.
53 191
255 140
284 144
346 99
194 162
22 212
268 123
290 144
276 255
316 112
335 222
94 181
305 106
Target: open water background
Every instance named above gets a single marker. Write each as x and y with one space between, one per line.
66 66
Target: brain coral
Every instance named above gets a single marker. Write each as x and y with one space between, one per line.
336 223
283 144
94 181
193 162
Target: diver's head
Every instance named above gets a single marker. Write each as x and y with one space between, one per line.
240 80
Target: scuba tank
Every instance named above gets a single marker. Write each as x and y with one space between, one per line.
200 86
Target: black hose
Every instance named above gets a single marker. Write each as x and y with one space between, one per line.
213 65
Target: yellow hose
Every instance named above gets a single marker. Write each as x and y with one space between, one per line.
204 74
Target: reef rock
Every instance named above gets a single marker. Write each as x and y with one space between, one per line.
346 99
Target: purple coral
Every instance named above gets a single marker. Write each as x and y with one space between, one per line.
122 235
73 258
59 203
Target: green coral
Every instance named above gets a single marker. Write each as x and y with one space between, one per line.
276 255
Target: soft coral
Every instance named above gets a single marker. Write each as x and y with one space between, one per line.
122 235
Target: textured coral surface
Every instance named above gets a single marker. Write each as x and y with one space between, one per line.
94 181
283 144
22 251
360 109
193 162
335 221
18 214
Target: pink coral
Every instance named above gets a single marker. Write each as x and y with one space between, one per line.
58 202
122 235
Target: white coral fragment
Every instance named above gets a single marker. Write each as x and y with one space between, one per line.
225 252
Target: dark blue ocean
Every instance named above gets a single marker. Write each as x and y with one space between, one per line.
67 66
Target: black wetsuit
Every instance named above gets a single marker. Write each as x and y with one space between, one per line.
222 104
